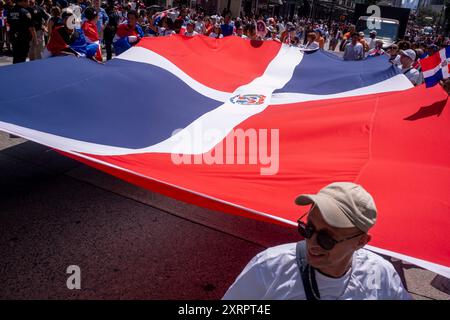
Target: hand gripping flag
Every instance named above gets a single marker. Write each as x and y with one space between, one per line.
165 113
436 67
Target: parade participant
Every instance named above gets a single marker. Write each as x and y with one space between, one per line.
251 31
407 58
199 25
209 27
377 50
63 38
166 27
111 29
39 17
354 50
68 39
289 34
335 37
152 23
2 25
346 39
373 39
312 43
227 27
55 19
363 42
190 32
128 33
273 34
331 263
90 31
102 19
217 32
319 39
180 20
22 31
240 32
394 58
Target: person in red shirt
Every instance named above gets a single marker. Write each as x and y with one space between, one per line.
90 30
128 33
89 26
209 27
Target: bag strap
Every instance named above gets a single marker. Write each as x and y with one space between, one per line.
408 70
307 273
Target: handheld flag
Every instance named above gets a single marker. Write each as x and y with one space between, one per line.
436 67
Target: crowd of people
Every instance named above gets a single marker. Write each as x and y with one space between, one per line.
85 27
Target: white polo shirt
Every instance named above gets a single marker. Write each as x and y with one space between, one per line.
274 275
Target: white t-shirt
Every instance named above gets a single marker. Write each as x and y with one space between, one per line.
274 275
312 46
372 43
214 35
165 32
412 74
353 52
191 34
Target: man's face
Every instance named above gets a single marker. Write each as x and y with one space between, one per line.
341 253
405 60
239 32
190 28
355 39
31 3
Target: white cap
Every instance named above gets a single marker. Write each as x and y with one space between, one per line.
409 53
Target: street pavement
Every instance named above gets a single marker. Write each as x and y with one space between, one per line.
129 243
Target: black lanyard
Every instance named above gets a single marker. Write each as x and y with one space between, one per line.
308 275
408 70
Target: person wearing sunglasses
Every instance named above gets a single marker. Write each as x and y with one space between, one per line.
331 262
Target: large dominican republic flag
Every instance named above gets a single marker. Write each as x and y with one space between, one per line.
161 114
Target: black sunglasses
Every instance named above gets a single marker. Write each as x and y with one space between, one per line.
324 240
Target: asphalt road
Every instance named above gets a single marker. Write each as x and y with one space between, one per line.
129 243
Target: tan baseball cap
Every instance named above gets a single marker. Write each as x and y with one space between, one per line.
343 205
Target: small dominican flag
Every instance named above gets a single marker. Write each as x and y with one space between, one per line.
436 67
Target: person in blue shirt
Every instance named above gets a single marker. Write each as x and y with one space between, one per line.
102 19
227 27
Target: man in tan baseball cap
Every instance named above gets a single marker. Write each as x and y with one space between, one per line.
341 215
331 262
343 205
